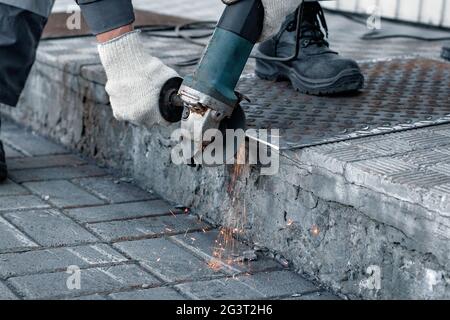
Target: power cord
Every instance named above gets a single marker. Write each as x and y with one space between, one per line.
204 30
375 35
209 26
179 32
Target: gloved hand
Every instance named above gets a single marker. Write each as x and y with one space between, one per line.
275 12
135 79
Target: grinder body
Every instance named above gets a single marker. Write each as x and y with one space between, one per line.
209 97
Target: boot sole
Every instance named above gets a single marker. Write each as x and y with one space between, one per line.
348 80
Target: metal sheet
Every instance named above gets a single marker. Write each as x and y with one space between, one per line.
400 94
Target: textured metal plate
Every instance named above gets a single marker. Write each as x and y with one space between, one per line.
400 94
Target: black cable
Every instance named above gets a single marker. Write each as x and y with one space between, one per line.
210 25
179 32
372 35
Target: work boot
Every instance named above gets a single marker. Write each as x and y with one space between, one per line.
3 169
317 70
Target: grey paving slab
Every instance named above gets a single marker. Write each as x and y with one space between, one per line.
261 285
146 227
31 144
6 293
162 293
59 259
114 190
10 188
314 296
216 247
11 153
122 211
56 173
168 261
45 162
219 289
8 125
278 283
10 203
50 227
11 238
92 297
96 280
63 194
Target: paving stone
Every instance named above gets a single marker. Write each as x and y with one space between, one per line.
11 238
5 293
45 162
63 193
278 283
113 190
315 296
162 293
8 125
167 260
9 188
31 144
11 203
219 289
214 247
56 173
145 227
50 260
92 297
97 280
50 227
121 211
11 153
261 285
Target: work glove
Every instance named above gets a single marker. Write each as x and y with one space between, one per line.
275 12
135 79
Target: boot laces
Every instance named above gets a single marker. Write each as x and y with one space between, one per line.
313 22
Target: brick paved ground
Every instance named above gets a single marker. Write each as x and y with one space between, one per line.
57 210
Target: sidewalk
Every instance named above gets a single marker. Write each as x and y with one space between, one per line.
59 210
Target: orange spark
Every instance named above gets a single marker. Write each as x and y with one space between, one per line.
315 230
214 265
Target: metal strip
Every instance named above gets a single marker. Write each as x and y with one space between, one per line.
396 98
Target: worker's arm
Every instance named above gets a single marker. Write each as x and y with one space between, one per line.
135 78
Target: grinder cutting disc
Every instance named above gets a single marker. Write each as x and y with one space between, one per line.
230 146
